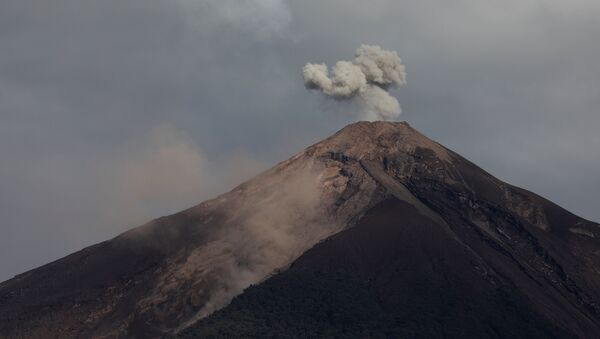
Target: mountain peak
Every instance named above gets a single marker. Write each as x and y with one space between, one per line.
370 129
165 275
378 140
379 124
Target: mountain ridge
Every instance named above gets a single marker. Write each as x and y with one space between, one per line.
168 274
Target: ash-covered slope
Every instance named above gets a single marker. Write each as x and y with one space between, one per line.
162 276
165 276
395 275
451 252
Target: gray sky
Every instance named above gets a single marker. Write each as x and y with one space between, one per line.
116 112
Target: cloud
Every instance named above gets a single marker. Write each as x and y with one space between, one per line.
264 18
365 80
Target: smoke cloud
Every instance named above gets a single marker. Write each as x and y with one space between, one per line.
269 233
162 171
365 80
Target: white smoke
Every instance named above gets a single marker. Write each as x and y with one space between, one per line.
366 79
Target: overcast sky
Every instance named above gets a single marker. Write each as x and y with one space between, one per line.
115 112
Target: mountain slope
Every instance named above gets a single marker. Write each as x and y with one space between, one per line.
165 276
397 274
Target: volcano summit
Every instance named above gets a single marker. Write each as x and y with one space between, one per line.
376 231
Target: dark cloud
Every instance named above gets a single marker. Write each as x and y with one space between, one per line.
85 85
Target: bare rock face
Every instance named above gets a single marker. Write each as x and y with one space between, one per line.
162 277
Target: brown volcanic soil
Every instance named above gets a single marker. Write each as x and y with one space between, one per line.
397 274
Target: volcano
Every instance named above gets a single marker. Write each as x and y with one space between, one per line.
374 232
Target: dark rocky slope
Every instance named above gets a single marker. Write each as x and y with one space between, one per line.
500 243
397 274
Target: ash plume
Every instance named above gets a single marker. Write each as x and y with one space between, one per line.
365 80
270 231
